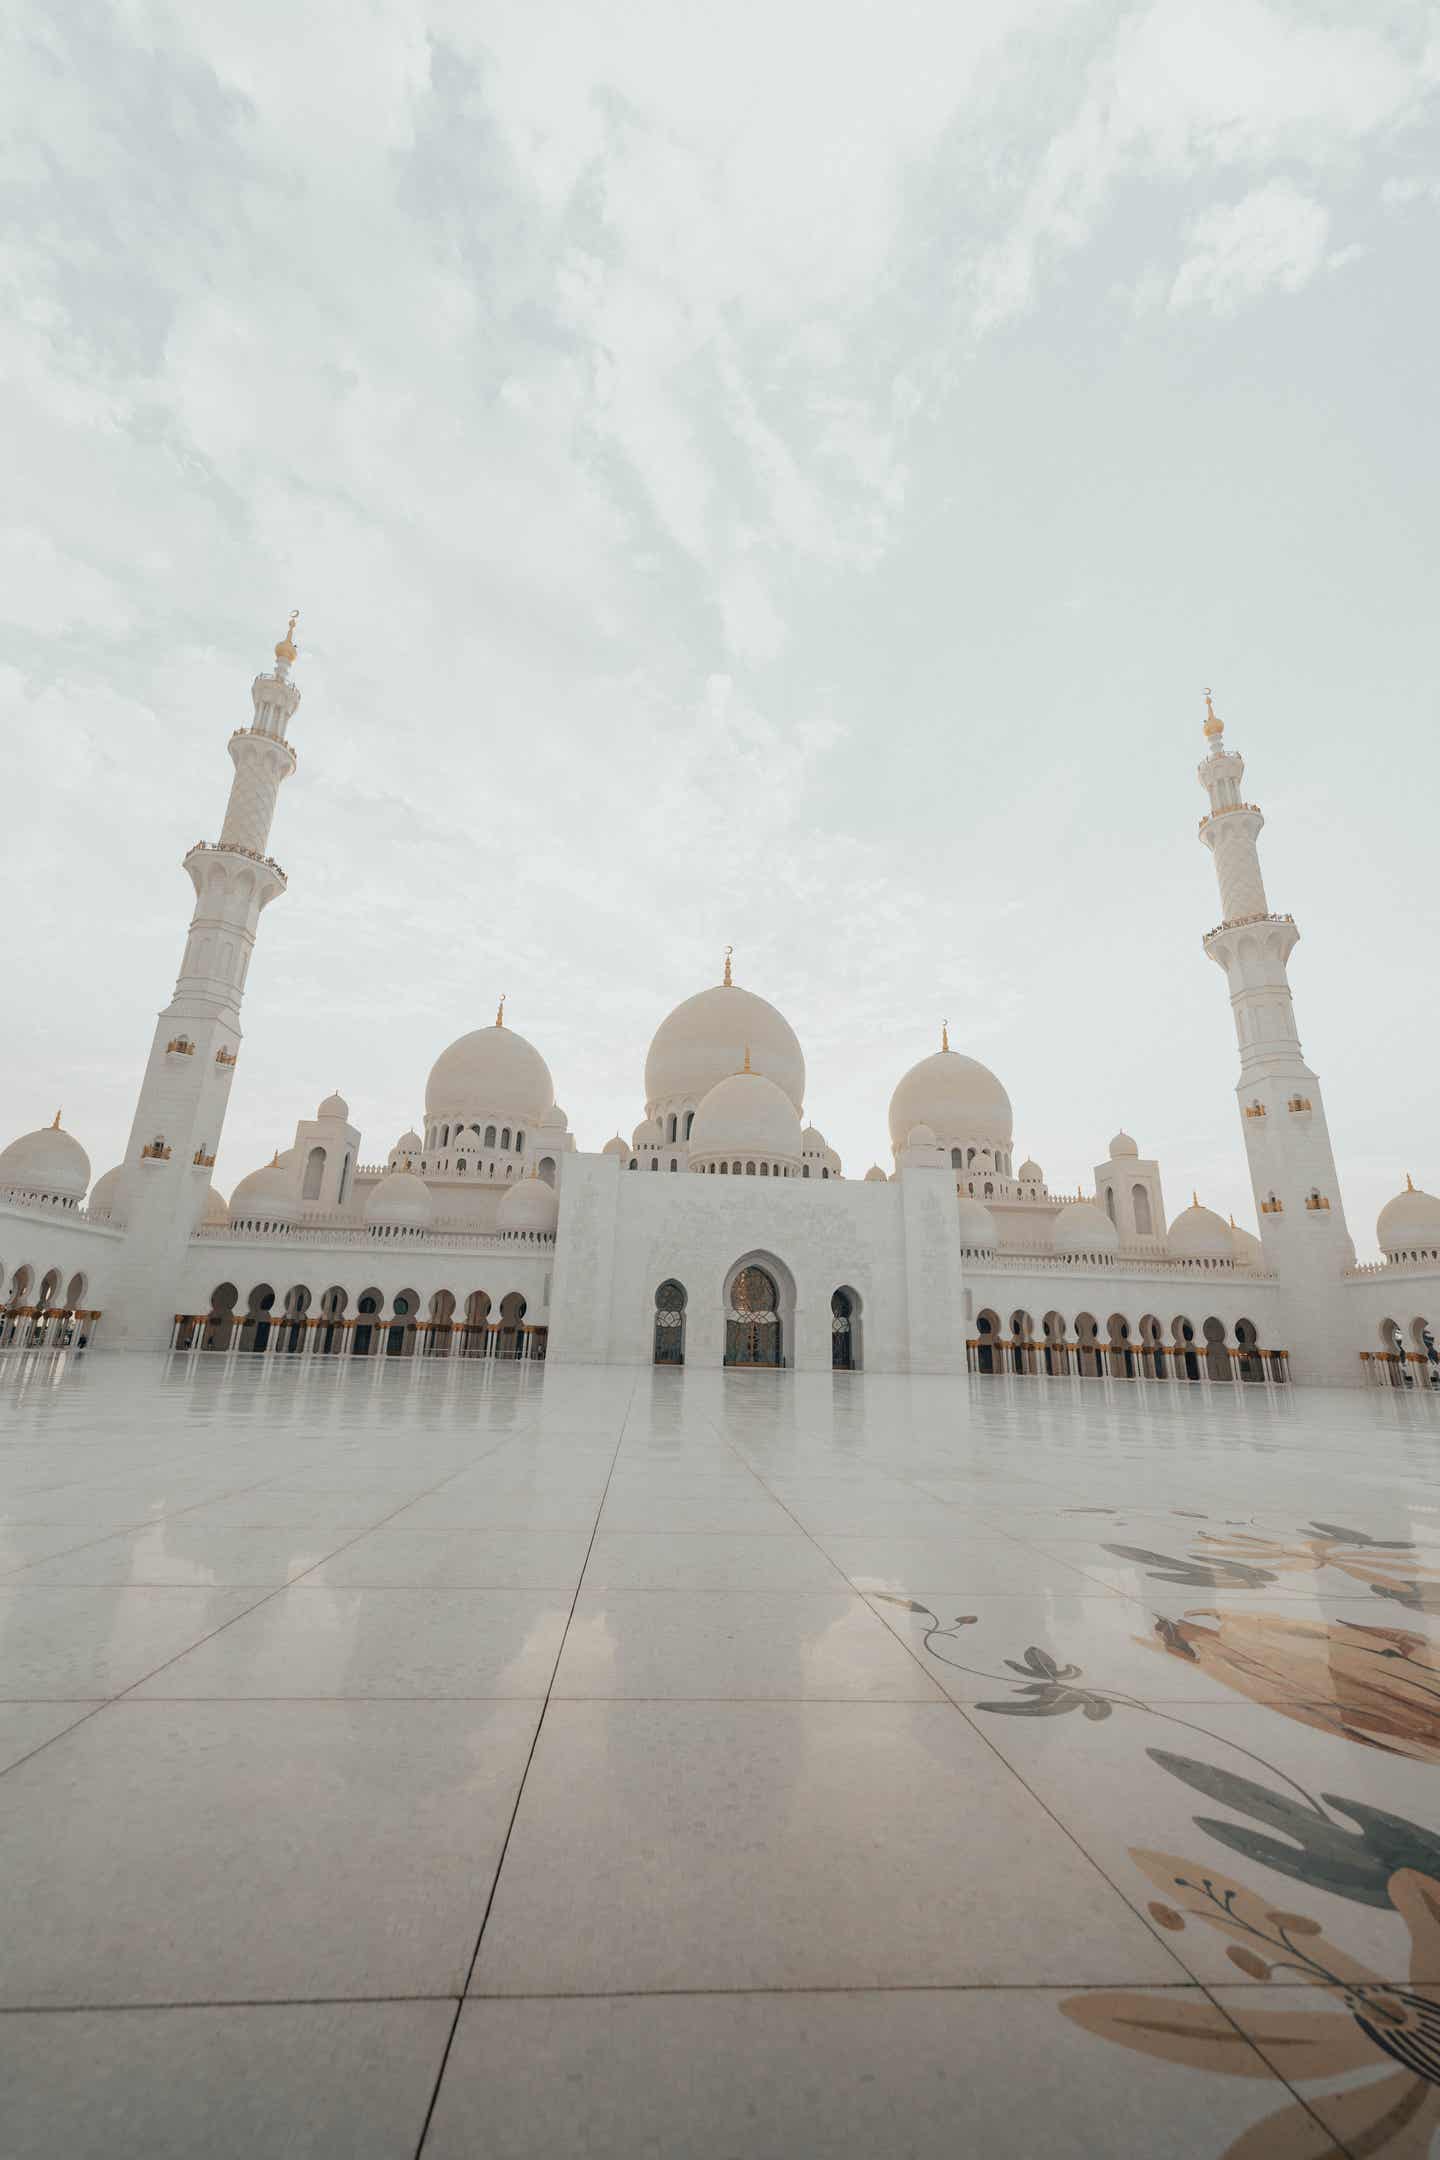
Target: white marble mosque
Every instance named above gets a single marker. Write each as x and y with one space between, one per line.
723 1231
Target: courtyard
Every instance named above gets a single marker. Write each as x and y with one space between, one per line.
431 1757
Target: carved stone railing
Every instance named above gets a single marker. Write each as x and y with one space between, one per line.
1242 922
498 1241
1123 1263
231 847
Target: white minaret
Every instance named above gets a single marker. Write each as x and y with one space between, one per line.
181 1108
1292 1166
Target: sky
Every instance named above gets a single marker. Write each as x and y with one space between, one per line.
780 477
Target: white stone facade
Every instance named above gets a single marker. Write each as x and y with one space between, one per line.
723 1231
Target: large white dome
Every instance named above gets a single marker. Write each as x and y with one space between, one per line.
1409 1223
956 1096
746 1114
401 1201
1198 1233
531 1205
265 1197
492 1072
1084 1228
704 1042
49 1163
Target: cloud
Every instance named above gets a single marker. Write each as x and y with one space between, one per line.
1273 238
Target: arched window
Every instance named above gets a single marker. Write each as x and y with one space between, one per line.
489 1136
1110 1202
674 1165
825 1172
445 1136
1140 1202
764 1169
314 1174
844 1331
669 1344
519 1143
344 1192
634 1165
749 1169
670 1127
689 1121
547 1169
654 1162
505 1136
805 1169
724 1169
957 1158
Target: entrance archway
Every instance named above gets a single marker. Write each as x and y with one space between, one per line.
670 1323
845 1331
753 1328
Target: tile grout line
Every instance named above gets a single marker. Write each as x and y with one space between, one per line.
444 2062
243 1614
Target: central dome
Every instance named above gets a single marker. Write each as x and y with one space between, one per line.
704 1041
493 1070
957 1097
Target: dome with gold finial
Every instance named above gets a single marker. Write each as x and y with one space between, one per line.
493 1073
701 1043
1410 1223
287 650
1214 725
46 1165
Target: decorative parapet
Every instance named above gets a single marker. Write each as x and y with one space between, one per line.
1400 1266
9 1197
203 1161
1298 1103
435 1241
155 1153
1254 1109
230 847
226 1057
1242 922
1272 1207
180 1046
1158 1266
1315 1201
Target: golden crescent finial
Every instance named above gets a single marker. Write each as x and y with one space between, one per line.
56 1126
1409 1181
729 985
1214 725
1194 1197
287 648
500 1009
944 1034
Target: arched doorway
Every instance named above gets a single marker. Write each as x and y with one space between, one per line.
752 1323
1250 1365
255 1330
670 1323
297 1307
220 1321
1427 1348
845 1331
442 1321
1185 1360
332 1315
987 1331
362 1335
400 1335
475 1336
510 1343
1217 1356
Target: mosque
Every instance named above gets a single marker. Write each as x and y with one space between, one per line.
723 1231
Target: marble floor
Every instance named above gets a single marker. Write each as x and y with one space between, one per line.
511 1761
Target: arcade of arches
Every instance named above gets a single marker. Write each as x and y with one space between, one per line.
1119 1349
333 1325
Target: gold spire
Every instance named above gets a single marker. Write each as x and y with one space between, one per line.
1194 1197
55 1127
746 1066
1409 1181
944 1034
287 648
500 1009
275 1160
1214 725
728 984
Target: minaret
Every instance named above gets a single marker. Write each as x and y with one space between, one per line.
181 1108
1282 1116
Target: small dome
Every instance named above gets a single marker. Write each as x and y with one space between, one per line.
1122 1145
266 1196
49 1162
1031 1173
530 1205
648 1133
617 1146
1084 1228
1198 1233
749 1114
401 1201
703 1042
492 1070
554 1119
1246 1247
216 1211
813 1141
977 1226
958 1098
875 1175
1408 1223
334 1106
105 1191
467 1142
921 1136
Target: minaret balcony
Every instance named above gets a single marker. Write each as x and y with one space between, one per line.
1244 922
228 847
1299 1104
226 1057
156 1151
1315 1202
179 1046
202 1161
